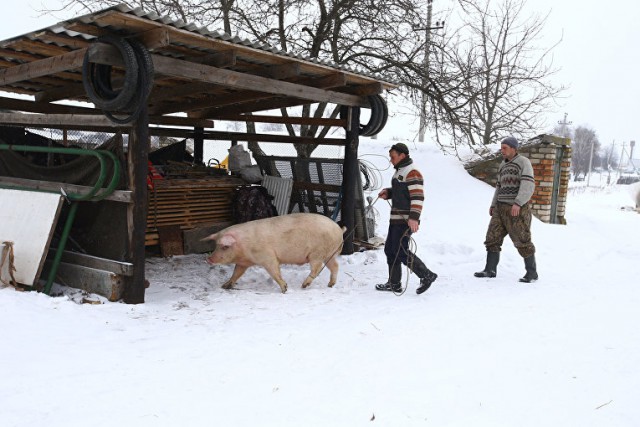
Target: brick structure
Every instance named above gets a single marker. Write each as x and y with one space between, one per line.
551 160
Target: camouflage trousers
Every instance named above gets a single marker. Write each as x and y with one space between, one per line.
517 227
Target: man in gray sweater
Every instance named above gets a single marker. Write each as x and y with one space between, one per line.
510 212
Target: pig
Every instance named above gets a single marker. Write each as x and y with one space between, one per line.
298 238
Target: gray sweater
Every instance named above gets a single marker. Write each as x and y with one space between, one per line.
515 182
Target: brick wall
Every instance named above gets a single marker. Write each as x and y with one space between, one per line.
551 160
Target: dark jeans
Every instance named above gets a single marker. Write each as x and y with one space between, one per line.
397 244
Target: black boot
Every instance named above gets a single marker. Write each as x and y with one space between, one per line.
395 277
490 269
530 266
427 277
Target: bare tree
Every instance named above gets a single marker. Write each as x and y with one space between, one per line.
497 78
585 141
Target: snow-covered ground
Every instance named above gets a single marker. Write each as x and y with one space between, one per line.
470 352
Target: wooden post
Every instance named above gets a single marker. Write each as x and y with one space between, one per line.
137 211
198 142
350 178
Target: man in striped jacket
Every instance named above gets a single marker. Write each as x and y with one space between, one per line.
510 212
407 195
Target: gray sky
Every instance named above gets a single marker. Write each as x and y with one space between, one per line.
599 60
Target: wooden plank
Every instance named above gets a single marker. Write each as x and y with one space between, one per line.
109 285
155 39
85 260
205 73
35 46
210 101
17 54
58 120
92 121
224 59
35 107
42 67
284 71
262 137
5 181
284 120
137 211
69 91
63 39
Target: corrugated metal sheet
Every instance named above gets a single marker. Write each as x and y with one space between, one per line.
280 189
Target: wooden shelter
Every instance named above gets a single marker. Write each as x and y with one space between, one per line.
197 77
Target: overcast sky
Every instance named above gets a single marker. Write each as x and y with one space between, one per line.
599 59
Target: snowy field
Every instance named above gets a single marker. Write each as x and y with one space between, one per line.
563 351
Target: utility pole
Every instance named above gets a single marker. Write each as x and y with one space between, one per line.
425 66
564 125
590 162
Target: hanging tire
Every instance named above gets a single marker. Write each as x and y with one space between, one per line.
96 78
383 114
373 119
144 85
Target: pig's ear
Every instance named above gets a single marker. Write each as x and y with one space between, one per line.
211 237
226 240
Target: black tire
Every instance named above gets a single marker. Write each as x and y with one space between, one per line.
373 120
101 93
144 84
382 116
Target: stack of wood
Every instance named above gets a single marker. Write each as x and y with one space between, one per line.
189 204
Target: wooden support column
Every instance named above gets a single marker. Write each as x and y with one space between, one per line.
350 178
198 143
138 154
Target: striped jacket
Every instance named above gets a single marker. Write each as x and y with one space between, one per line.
406 193
515 182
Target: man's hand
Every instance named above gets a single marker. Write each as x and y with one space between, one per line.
383 194
515 210
414 225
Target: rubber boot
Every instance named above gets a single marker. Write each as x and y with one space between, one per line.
530 266
395 277
490 269
427 277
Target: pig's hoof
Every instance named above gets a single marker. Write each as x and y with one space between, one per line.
227 285
331 284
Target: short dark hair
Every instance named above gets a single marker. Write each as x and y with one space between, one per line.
400 148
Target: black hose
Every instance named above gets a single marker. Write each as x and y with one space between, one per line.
136 86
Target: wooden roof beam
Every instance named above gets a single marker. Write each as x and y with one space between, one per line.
325 82
223 59
95 120
232 79
43 67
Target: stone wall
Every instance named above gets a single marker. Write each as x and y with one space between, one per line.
551 160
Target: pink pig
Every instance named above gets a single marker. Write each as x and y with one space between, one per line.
297 238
